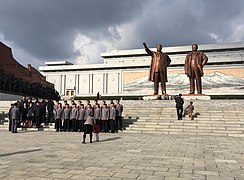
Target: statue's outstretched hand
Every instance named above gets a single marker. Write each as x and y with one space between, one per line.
144 44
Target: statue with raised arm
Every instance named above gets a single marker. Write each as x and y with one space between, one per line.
194 63
158 68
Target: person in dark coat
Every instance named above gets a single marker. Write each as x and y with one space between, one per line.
38 113
179 106
30 114
15 115
98 96
23 100
44 110
24 111
10 118
50 107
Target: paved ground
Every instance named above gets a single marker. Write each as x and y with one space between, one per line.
51 155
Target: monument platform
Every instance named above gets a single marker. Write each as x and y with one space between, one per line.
196 97
171 97
156 97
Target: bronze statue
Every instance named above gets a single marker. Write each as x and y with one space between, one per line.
158 68
194 63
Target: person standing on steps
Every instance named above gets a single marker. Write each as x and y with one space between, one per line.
179 106
190 109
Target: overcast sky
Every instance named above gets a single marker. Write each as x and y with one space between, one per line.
79 30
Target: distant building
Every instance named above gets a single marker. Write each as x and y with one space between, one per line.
124 72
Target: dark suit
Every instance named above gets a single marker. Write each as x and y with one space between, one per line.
179 106
10 119
38 113
50 106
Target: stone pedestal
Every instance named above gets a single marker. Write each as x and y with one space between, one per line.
196 97
157 97
172 97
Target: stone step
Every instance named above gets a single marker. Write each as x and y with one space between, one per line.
218 131
187 133
188 127
174 114
174 117
184 126
188 123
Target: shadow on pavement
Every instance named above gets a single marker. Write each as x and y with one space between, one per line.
110 139
19 152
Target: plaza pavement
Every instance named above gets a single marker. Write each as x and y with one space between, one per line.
53 155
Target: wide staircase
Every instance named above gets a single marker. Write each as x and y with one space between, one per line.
215 117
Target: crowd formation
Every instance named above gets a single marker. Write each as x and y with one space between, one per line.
74 117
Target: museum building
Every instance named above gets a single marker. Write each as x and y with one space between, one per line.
125 72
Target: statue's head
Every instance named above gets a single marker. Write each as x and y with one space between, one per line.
194 47
159 47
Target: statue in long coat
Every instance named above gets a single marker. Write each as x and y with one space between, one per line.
158 68
194 63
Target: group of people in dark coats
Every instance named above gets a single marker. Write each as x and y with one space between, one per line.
27 113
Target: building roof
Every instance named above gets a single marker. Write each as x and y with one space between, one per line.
177 49
122 59
56 63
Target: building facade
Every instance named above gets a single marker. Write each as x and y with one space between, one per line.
125 72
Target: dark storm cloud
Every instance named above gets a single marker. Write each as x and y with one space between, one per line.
46 29
184 22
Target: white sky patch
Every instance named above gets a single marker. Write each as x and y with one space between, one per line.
80 45
238 33
127 33
90 49
215 36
